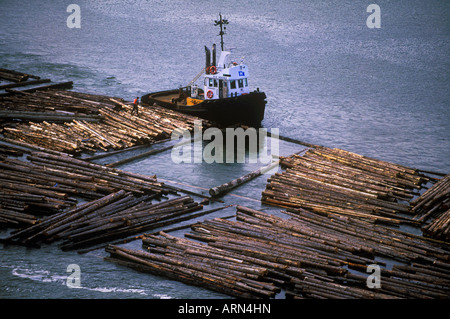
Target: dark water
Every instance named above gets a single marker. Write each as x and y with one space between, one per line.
329 79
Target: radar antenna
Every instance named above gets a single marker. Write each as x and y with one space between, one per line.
221 22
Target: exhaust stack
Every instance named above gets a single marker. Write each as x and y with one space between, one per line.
208 59
214 54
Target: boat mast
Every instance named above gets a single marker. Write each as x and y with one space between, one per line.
221 22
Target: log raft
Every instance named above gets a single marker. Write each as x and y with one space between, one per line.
333 180
113 216
341 208
308 255
434 204
73 122
47 184
53 175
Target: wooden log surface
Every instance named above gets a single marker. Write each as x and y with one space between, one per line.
25 83
435 198
47 116
74 122
113 216
54 86
226 187
47 184
333 180
310 255
17 74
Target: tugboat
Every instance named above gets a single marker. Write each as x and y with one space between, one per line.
225 98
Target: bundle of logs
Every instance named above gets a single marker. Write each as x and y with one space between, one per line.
333 180
9 150
309 255
48 183
439 228
73 122
197 264
435 204
27 83
114 216
14 76
79 136
51 103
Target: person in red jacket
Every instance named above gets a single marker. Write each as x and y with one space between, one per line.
135 107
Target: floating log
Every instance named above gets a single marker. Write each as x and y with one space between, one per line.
224 188
59 86
139 156
108 177
111 153
26 83
13 218
29 146
14 77
47 116
292 140
18 74
11 150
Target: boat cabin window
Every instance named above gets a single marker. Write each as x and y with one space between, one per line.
245 82
232 84
241 83
211 82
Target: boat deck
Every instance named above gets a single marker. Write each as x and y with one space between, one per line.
170 96
167 98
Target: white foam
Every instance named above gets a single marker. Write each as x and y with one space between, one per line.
47 277
162 296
